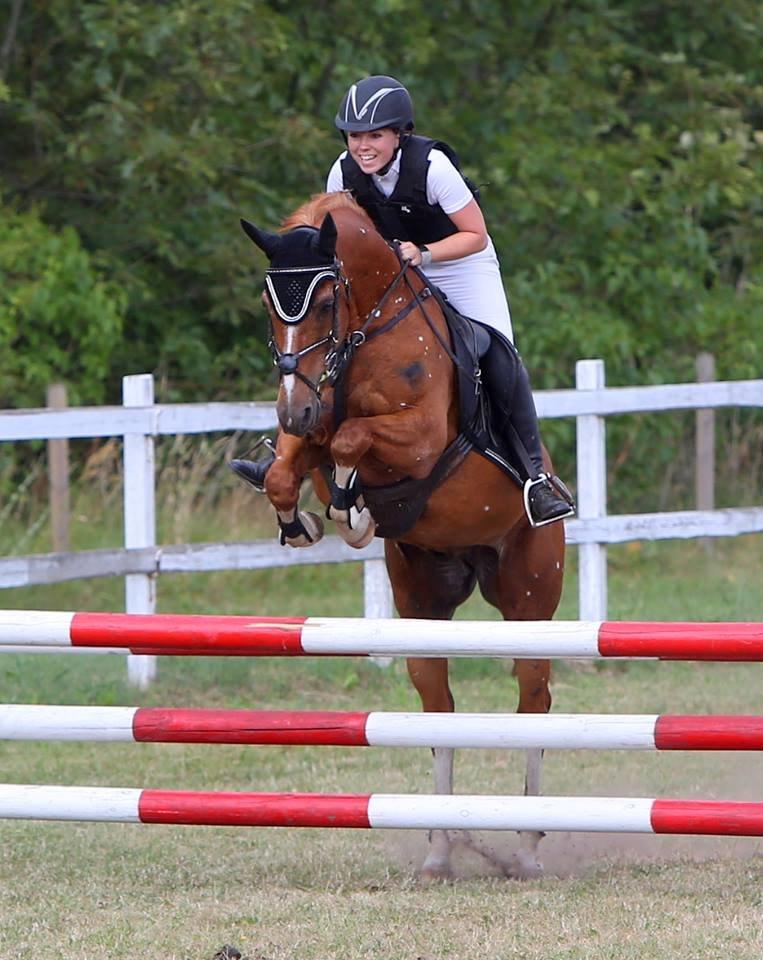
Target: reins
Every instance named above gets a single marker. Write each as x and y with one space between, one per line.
340 354
337 362
445 346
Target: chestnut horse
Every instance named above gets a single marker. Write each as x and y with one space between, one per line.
368 386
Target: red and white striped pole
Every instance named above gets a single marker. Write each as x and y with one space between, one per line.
398 811
377 729
299 636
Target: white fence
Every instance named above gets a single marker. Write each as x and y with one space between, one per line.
139 420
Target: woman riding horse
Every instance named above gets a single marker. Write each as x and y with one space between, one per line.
415 194
369 405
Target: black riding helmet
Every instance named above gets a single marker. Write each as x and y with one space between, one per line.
374 103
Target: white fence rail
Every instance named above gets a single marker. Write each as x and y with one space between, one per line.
140 420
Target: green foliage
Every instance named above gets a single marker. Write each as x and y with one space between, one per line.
621 146
60 319
638 211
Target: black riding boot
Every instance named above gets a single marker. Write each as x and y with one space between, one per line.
253 471
508 386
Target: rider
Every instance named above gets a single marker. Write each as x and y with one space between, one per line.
413 191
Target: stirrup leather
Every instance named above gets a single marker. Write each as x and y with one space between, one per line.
265 441
559 487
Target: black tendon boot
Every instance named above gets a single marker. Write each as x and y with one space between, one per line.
253 471
546 498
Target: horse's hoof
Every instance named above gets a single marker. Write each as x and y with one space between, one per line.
363 536
524 866
435 874
313 526
357 531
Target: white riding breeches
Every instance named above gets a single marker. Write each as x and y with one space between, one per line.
474 286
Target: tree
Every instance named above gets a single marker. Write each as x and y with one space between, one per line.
620 145
60 318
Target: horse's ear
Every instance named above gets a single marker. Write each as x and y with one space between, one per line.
267 242
327 237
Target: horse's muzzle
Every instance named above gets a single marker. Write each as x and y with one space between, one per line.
298 415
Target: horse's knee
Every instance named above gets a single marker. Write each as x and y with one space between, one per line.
282 486
351 442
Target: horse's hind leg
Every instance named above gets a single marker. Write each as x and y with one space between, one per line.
529 589
431 586
533 677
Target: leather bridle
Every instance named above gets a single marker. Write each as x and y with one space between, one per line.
339 352
288 363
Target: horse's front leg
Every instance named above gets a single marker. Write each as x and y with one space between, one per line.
295 456
408 443
347 509
531 590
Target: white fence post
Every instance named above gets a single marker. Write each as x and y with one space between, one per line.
377 597
139 517
592 495
377 590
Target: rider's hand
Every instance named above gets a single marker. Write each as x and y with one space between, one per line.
409 251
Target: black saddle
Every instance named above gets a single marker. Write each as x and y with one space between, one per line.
482 418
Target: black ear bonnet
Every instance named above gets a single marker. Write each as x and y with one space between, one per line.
299 261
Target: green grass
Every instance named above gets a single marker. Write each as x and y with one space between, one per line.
131 892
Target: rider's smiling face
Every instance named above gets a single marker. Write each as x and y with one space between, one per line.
374 149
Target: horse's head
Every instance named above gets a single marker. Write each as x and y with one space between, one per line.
303 295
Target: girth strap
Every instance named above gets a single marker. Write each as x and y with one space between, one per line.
398 506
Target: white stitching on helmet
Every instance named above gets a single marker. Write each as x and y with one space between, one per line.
351 99
380 95
374 100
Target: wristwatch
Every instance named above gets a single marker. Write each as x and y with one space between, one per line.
426 255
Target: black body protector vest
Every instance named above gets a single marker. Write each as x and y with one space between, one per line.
406 214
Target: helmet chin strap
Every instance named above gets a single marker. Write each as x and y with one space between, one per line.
403 134
388 164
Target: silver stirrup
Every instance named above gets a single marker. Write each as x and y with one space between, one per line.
560 488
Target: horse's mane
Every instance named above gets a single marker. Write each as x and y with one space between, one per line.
312 212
